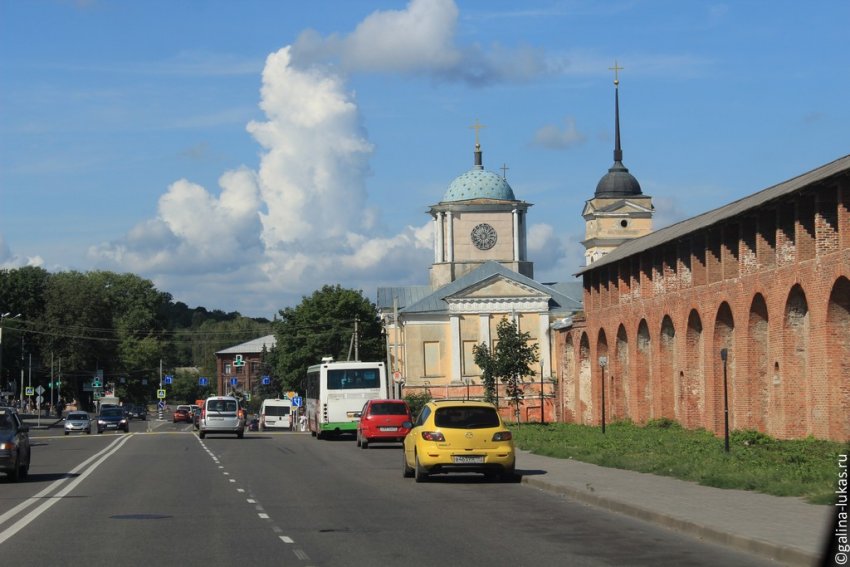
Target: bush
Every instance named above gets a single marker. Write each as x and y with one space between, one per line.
417 401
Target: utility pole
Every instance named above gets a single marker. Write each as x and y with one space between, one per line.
356 338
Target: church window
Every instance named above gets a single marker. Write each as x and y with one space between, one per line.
432 358
624 223
469 366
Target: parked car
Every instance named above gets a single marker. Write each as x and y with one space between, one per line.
14 445
77 421
196 418
112 418
181 414
222 414
458 436
382 421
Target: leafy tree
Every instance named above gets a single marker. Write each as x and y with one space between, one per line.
323 325
510 361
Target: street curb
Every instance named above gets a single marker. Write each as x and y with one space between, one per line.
777 552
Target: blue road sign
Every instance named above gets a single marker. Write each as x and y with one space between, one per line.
266 380
161 404
234 381
168 378
203 381
296 401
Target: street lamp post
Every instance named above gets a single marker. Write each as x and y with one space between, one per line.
603 362
724 353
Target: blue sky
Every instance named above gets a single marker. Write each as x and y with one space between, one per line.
242 154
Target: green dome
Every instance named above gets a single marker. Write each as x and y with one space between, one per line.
479 184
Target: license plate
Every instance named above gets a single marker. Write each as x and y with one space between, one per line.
468 460
388 428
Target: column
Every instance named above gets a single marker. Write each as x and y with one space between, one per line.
515 215
451 236
484 329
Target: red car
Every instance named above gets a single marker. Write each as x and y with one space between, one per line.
381 422
182 415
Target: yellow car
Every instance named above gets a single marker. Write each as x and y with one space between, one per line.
459 436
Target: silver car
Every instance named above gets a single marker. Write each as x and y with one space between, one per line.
221 415
78 421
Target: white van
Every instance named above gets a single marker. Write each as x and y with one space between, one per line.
276 414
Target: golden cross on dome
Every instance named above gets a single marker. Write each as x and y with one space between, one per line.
616 70
477 126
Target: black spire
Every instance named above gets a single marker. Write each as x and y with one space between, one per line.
618 182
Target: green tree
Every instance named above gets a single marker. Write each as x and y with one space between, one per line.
509 362
323 325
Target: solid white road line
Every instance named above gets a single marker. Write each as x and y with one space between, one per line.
23 522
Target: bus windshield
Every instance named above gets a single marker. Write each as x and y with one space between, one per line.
354 379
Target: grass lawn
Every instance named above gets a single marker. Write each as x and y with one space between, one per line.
806 468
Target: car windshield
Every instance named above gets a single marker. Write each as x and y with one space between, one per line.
78 416
112 412
221 405
388 409
466 417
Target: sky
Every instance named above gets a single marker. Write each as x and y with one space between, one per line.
241 155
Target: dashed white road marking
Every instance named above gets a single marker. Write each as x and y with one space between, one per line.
299 553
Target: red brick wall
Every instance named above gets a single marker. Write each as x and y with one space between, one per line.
772 287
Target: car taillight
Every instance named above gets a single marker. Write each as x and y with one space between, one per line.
503 436
432 436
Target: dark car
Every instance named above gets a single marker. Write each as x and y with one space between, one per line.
382 421
112 418
139 412
14 445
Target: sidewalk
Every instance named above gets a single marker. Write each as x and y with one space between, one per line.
785 529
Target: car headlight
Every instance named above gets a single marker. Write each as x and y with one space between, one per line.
101 422
8 446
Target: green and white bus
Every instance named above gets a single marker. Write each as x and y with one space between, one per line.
337 391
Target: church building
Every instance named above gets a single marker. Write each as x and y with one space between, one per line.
481 274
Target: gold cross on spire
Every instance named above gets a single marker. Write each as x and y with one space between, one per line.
477 126
616 70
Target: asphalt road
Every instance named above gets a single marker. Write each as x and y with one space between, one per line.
160 495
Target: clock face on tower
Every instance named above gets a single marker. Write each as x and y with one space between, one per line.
483 236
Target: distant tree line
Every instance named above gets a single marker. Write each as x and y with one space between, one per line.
73 324
70 325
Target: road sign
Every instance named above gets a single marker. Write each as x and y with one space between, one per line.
266 380
202 381
38 400
40 390
161 404
168 378
297 401
396 376
160 394
234 381
30 391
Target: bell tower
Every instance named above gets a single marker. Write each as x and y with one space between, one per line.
618 211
